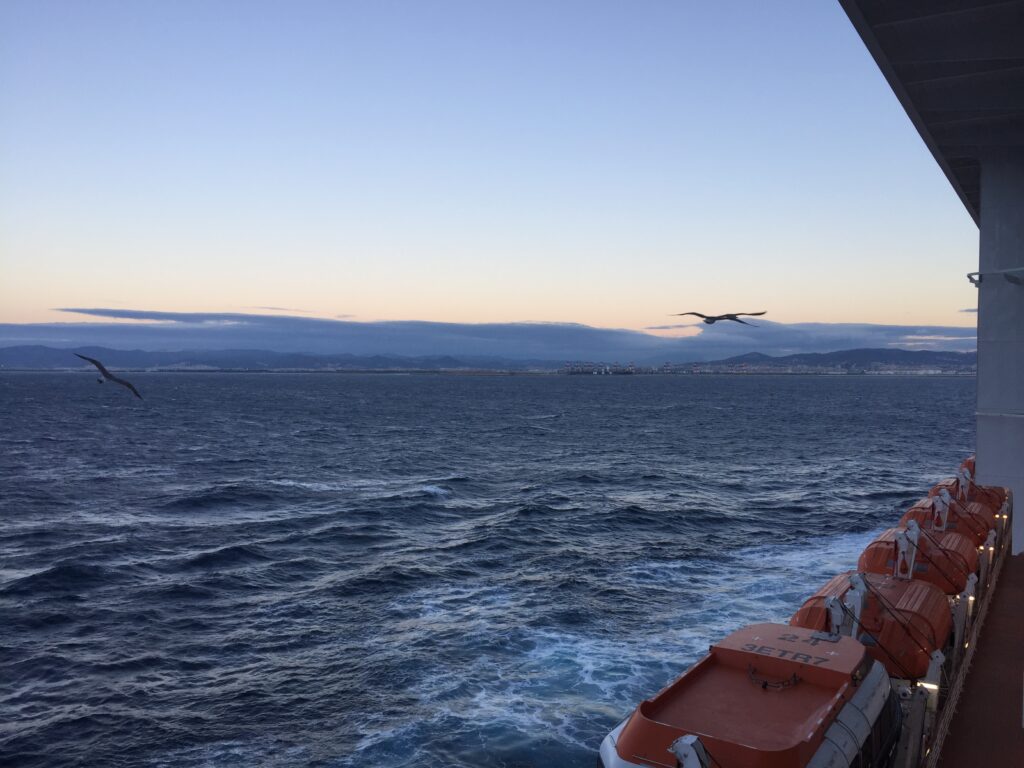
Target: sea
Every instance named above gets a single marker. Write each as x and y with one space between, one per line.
417 570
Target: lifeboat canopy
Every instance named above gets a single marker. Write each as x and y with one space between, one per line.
947 560
943 512
901 622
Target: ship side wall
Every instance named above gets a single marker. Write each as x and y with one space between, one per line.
1000 405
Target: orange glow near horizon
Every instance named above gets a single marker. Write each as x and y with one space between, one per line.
619 297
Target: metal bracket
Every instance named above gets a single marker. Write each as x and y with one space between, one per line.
689 752
1015 276
906 551
940 506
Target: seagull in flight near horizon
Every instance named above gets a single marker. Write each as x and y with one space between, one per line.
734 316
108 375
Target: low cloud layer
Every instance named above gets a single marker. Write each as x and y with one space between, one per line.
512 341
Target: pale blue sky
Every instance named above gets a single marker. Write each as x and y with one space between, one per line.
596 162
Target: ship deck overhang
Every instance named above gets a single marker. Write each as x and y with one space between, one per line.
957 67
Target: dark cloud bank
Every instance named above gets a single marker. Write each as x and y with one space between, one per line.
511 341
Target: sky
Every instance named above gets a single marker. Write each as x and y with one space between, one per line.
596 163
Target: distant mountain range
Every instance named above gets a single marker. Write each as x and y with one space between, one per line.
37 357
49 358
860 358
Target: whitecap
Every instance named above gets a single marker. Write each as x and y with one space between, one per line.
436 490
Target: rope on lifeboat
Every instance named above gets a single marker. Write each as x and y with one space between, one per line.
891 610
853 736
969 517
938 568
890 738
878 642
937 545
833 742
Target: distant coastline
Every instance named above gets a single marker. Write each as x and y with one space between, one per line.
870 362
485 372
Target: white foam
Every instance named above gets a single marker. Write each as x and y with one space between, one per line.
326 487
367 488
436 490
515 681
264 752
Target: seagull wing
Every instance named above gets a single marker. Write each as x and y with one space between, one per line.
108 375
753 314
128 384
737 320
680 314
97 363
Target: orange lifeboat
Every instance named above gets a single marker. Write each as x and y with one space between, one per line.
901 622
988 495
941 512
766 696
946 560
964 488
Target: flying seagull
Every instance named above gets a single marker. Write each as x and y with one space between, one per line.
711 319
109 376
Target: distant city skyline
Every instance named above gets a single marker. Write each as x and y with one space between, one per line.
605 164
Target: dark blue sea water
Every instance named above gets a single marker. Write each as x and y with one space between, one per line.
356 570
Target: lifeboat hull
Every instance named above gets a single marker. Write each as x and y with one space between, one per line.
972 519
902 622
766 696
946 560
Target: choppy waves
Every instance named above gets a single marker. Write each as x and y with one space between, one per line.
417 570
